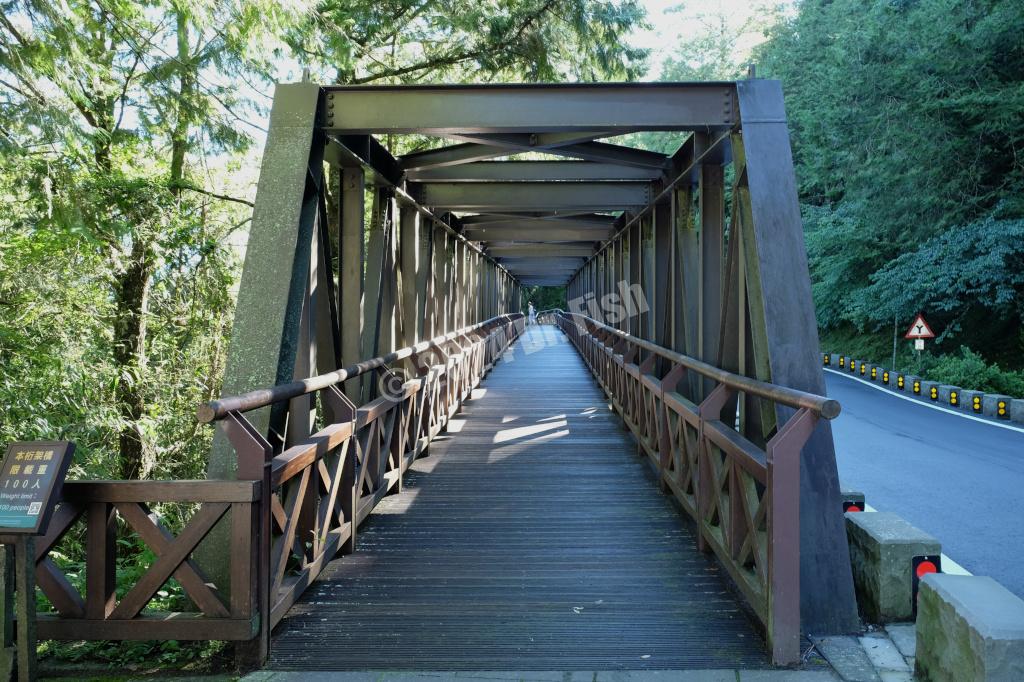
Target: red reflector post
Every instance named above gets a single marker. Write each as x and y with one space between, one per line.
920 567
853 501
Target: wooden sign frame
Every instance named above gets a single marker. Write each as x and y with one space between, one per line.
56 456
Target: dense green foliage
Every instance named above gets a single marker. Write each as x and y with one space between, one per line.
544 298
389 41
907 133
129 137
124 132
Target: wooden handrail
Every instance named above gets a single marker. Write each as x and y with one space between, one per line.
791 397
218 409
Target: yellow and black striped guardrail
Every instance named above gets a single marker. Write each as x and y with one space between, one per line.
989 404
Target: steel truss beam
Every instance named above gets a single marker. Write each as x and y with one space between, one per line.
316 293
587 150
541 220
451 156
377 167
489 196
560 276
535 234
540 251
364 150
749 311
535 263
492 147
533 171
541 108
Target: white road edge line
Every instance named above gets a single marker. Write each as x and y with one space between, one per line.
924 404
948 565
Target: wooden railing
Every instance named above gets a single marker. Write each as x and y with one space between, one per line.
322 487
548 316
740 484
104 614
292 509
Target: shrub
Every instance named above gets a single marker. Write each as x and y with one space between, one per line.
970 371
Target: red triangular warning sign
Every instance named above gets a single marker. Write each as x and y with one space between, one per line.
919 329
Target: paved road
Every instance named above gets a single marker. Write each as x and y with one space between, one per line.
958 479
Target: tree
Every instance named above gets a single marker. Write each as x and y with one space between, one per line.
720 50
91 93
406 41
907 136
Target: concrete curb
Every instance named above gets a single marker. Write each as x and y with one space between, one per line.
993 405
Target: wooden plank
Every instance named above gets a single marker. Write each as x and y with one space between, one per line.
284 546
293 586
59 590
100 572
8 655
244 544
301 455
184 626
532 538
81 492
25 607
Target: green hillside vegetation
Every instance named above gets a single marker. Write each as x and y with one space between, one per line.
129 137
907 122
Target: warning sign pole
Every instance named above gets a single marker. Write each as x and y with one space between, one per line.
919 331
895 321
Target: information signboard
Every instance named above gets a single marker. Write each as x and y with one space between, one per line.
31 477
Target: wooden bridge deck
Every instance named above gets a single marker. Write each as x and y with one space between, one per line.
531 538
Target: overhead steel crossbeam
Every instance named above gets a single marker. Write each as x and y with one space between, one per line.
534 234
541 262
534 196
533 108
489 147
563 145
376 252
513 250
533 171
580 219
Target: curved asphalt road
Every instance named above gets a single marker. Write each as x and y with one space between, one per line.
960 480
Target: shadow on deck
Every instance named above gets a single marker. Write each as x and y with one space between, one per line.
531 538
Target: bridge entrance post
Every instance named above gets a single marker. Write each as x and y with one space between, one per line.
777 274
265 337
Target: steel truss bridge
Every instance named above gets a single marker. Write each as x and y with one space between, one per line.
379 291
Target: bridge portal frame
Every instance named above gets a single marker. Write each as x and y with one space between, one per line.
328 284
733 292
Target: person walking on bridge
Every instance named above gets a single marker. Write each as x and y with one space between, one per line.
533 313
